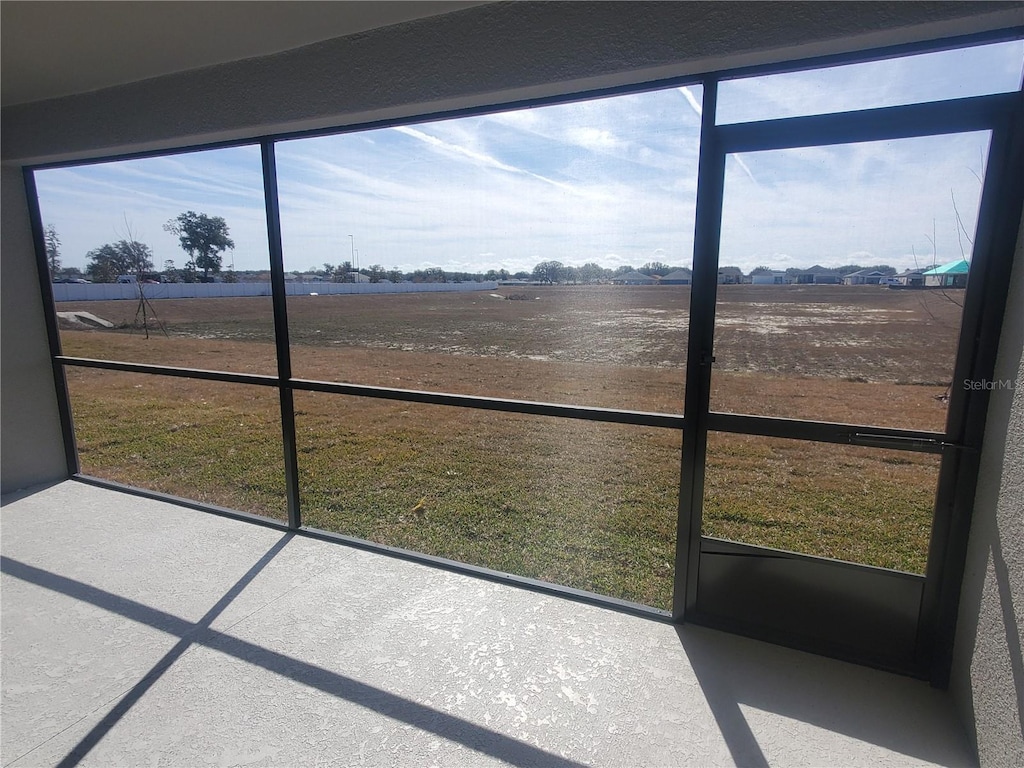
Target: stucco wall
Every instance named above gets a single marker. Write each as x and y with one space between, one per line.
988 671
31 448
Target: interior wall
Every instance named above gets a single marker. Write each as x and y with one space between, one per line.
988 667
31 446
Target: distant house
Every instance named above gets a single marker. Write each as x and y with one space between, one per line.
952 275
682 276
730 275
768 278
816 275
864 277
912 278
633 278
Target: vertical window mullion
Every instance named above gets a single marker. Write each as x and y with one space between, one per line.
284 364
707 230
984 307
52 332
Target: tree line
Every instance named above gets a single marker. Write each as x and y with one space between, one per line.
204 238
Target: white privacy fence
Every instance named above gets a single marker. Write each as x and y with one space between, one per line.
106 291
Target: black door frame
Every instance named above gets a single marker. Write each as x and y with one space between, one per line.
892 620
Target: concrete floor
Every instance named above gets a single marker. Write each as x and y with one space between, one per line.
138 633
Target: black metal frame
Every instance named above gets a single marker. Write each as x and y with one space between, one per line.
959 445
984 307
60 381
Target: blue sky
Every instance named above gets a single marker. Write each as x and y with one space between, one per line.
610 180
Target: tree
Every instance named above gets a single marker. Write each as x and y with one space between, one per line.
203 238
188 273
591 272
170 272
655 268
125 257
762 270
342 273
431 275
376 273
52 249
549 271
434 275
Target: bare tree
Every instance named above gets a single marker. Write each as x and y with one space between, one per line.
52 249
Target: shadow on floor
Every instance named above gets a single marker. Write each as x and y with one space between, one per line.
736 673
471 735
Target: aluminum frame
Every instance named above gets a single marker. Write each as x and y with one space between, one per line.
960 443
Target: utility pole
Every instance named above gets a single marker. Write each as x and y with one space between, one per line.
352 263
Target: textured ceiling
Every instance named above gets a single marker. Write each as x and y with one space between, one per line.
51 49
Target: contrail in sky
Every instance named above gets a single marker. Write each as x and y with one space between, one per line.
477 157
695 105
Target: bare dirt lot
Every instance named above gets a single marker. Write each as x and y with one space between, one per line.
588 505
800 351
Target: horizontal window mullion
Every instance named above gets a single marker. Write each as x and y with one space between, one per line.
586 413
890 52
830 432
167 370
977 113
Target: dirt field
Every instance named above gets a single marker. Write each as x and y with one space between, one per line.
587 505
785 351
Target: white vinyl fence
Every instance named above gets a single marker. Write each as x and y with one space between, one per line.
106 291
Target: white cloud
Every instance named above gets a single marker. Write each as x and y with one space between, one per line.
595 139
914 79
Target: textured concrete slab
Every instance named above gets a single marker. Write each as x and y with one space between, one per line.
140 633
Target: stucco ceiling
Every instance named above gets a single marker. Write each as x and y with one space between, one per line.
50 49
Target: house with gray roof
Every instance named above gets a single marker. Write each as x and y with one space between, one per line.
633 278
681 276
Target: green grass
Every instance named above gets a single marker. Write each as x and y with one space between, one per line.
863 505
190 441
566 503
